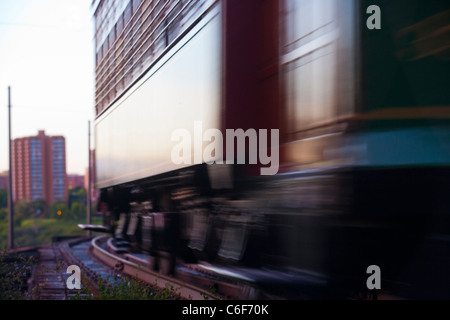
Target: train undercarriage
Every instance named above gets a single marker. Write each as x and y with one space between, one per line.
309 234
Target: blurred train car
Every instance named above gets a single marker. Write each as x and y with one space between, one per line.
364 140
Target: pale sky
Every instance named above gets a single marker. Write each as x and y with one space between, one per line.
46 56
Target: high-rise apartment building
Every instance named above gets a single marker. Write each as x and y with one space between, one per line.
75 180
39 168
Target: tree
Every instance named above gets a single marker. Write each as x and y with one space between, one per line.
56 207
3 214
38 207
77 194
3 198
77 210
80 192
23 210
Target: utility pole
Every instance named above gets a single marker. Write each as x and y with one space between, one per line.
89 220
10 187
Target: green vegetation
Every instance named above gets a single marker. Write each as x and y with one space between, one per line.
77 194
39 231
34 232
127 288
3 198
14 272
36 223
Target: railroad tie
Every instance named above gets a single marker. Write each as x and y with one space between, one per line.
50 277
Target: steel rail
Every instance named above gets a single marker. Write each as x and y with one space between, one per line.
186 290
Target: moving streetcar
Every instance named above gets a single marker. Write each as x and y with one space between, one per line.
340 140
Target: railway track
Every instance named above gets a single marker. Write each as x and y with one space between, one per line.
136 267
48 282
98 265
49 276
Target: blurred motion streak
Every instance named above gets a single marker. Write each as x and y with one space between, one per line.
363 118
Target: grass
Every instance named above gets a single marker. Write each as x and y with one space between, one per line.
40 222
15 269
127 288
35 232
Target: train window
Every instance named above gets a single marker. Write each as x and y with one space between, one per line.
310 62
412 46
306 18
312 88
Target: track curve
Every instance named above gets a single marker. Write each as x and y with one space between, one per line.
133 269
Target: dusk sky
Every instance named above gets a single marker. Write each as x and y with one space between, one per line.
46 56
